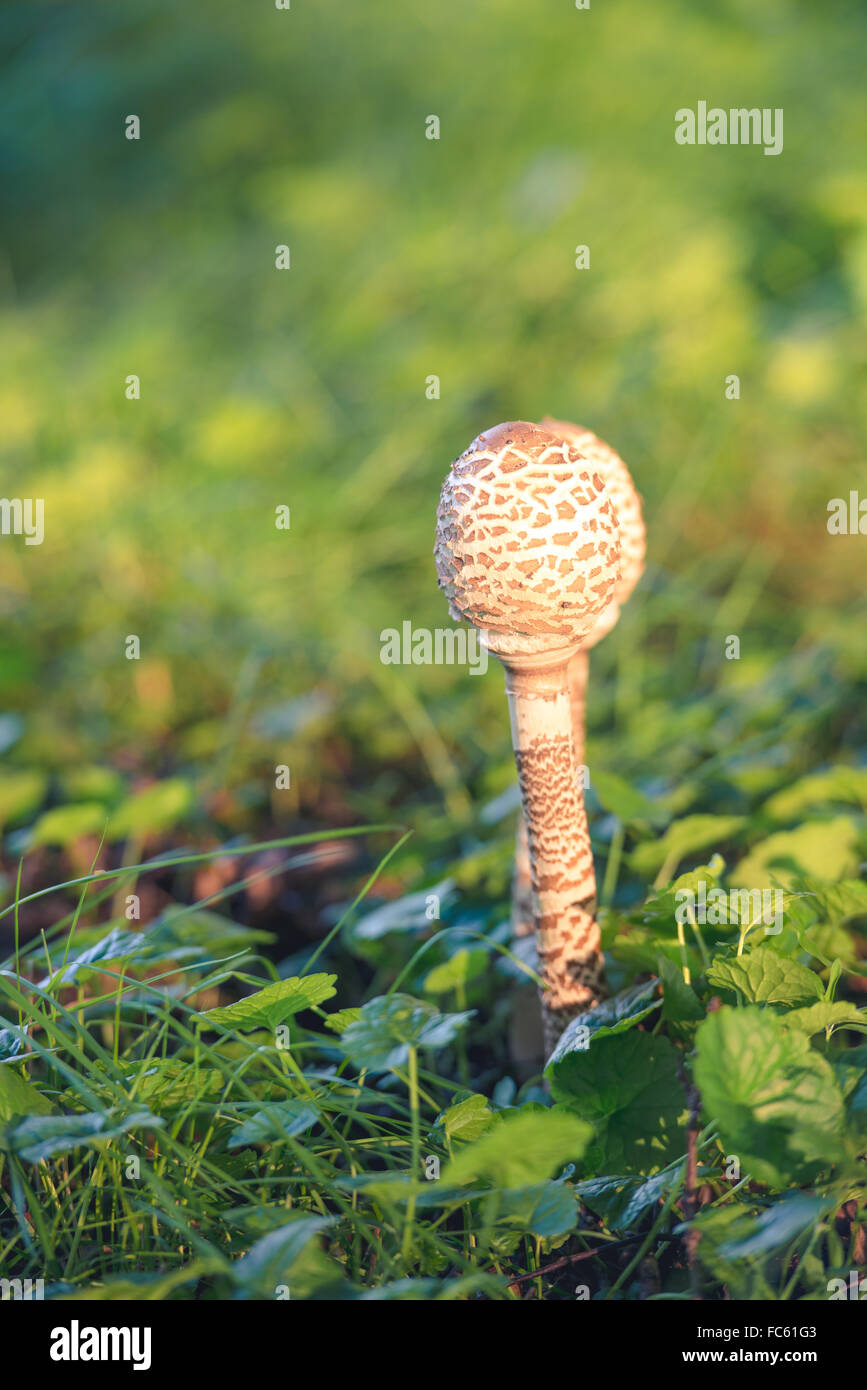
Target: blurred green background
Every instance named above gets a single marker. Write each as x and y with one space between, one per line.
306 387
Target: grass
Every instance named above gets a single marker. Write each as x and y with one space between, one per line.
141 1169
131 1164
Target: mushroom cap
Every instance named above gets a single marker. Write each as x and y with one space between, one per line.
527 544
627 503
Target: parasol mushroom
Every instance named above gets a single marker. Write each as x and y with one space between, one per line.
528 551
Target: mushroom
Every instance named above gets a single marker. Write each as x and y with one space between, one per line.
627 503
528 551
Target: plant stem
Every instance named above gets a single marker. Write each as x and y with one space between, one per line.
612 866
416 1153
649 1238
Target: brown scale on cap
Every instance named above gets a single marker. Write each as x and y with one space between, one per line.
627 503
528 550
527 541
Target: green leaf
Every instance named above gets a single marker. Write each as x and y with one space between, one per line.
180 934
435 1290
545 1209
826 943
681 1005
627 1087
621 799
380 1039
167 1083
778 1225
729 1224
91 783
776 1100
10 1043
622 1200
661 908
20 1097
520 1147
640 946
838 784
850 1067
464 966
836 902
609 1018
21 791
688 836
47 1136
272 1261
63 825
465 1121
816 1018
156 808
638 950
115 945
144 1288
273 1122
271 1006
824 849
762 976
409 913
339 1022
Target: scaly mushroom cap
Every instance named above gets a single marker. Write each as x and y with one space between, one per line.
527 545
627 503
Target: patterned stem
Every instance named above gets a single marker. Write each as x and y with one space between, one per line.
522 888
563 883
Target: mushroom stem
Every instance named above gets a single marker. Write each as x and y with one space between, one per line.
562 876
522 893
